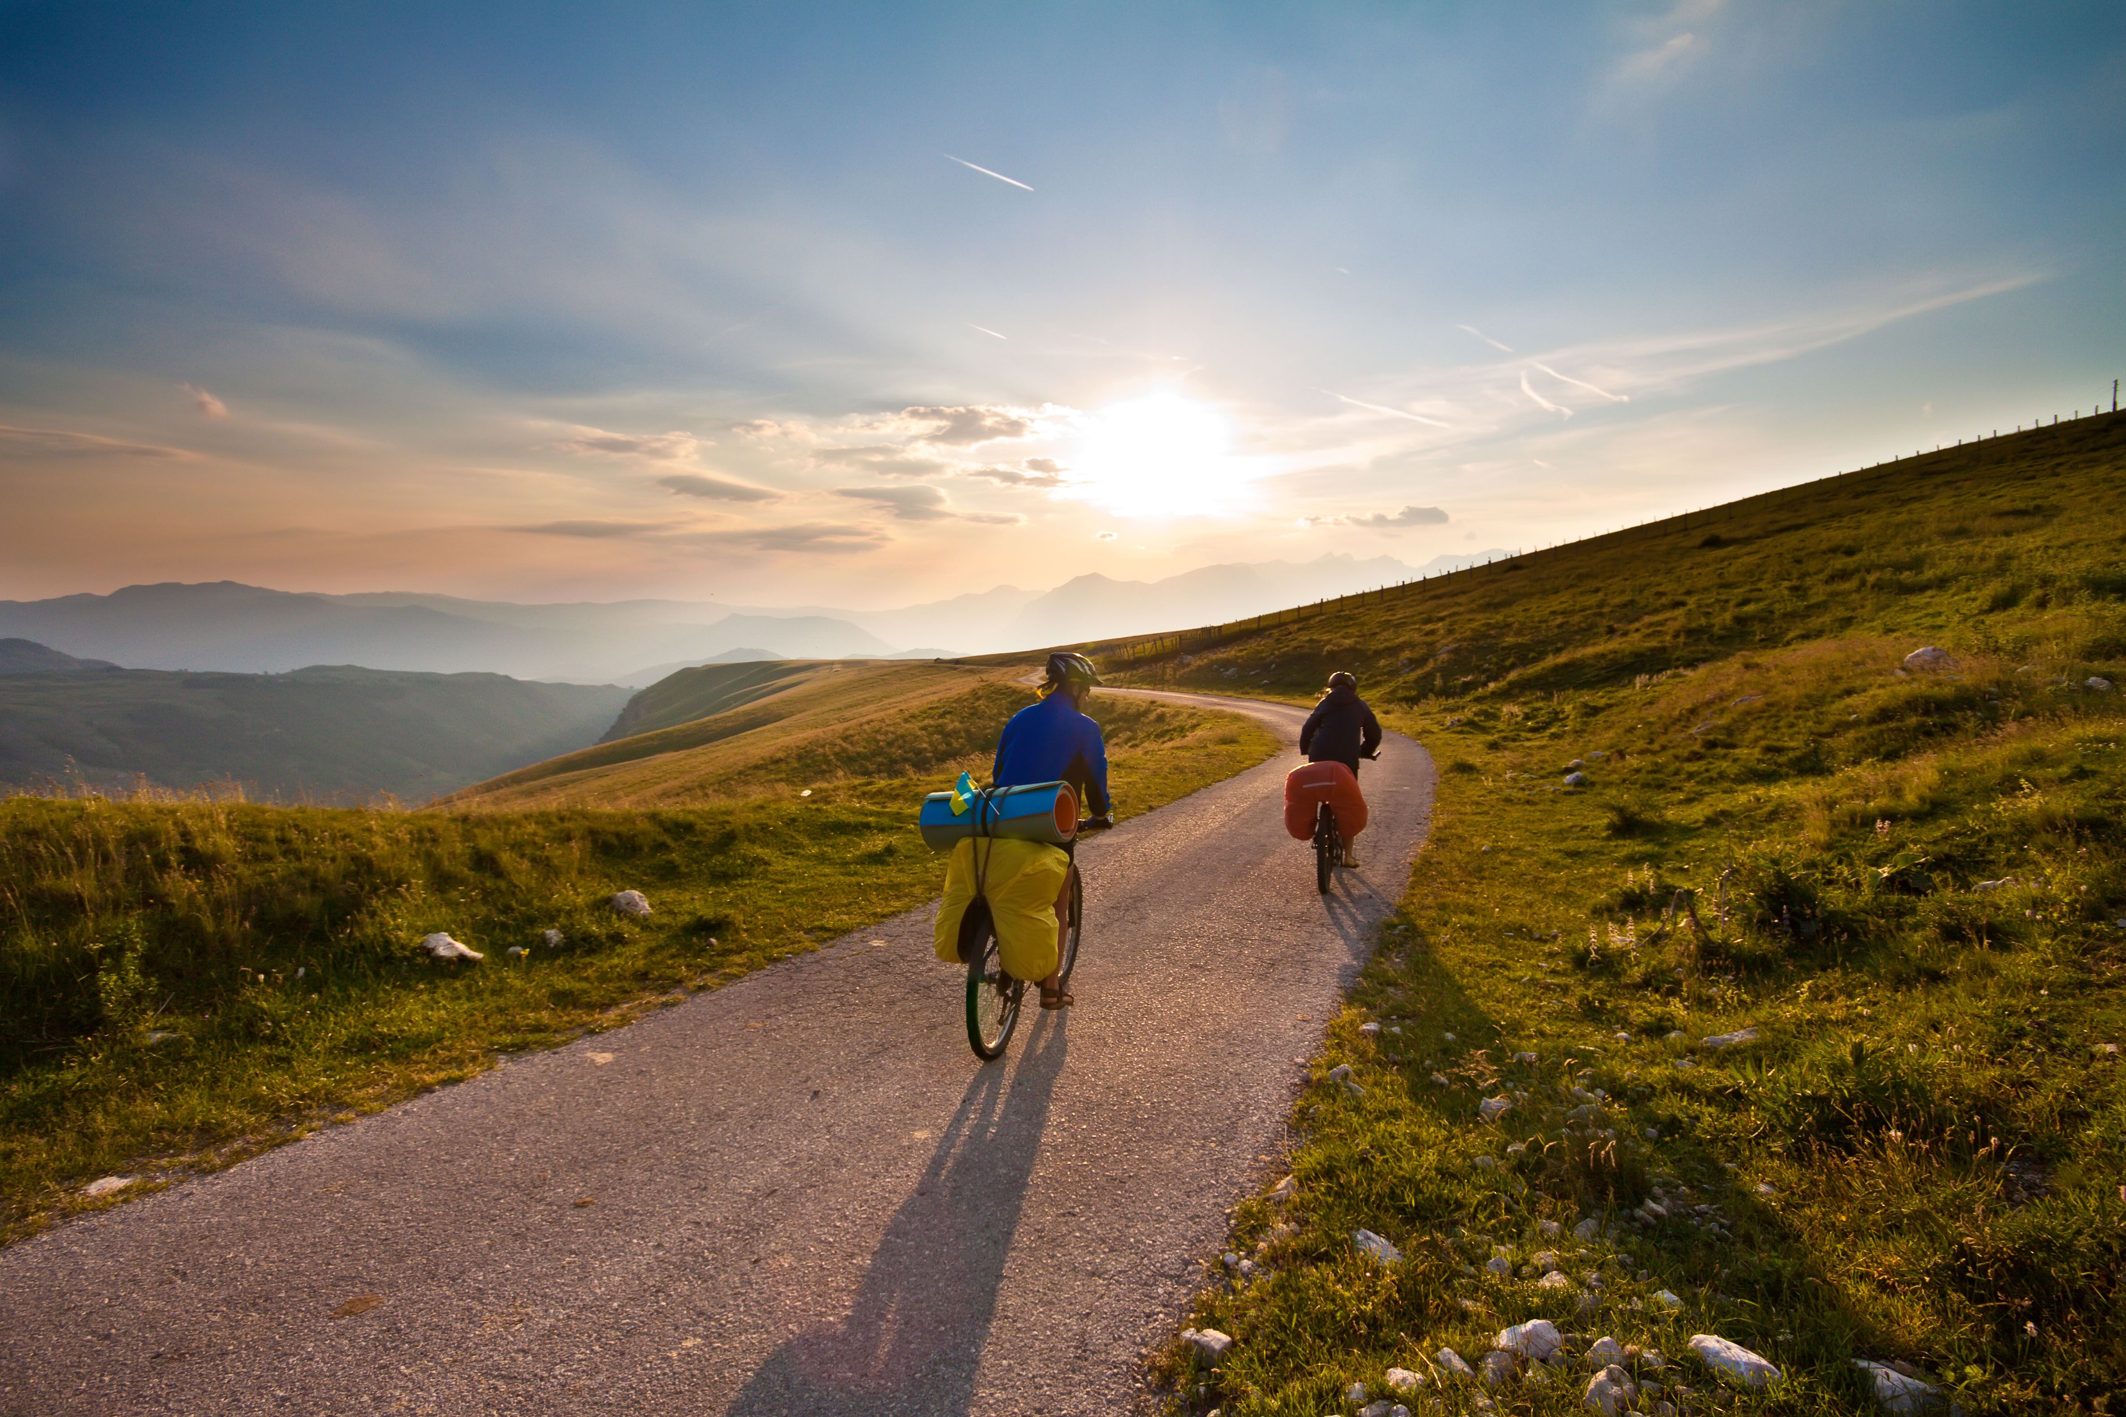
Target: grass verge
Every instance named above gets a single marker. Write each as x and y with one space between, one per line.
185 984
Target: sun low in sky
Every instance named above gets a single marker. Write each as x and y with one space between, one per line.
871 304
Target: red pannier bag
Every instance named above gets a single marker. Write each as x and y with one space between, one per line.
1306 788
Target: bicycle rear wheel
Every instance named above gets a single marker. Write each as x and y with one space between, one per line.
1326 847
1077 924
993 996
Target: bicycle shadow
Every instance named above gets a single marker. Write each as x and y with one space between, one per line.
912 1340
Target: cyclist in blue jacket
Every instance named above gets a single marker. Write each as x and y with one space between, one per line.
1053 741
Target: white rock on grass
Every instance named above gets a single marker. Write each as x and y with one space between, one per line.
1928 657
1497 1369
552 939
1603 1352
1286 1189
1500 1266
1377 1409
1538 1339
1611 1391
1544 1261
1899 1392
2097 682
103 1186
1556 1279
1734 1362
1378 1247
1210 1345
1733 1040
631 903
1355 1394
1667 1300
1403 1381
1576 779
1586 1230
1451 1363
442 946
1493 1108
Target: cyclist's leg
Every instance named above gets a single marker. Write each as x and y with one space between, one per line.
1350 849
1052 995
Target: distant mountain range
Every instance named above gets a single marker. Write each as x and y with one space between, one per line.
225 626
322 733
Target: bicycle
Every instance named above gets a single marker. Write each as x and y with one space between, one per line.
1329 842
993 994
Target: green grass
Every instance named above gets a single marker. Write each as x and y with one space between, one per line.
1928 1106
184 984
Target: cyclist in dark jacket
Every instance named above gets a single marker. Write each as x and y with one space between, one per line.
1341 730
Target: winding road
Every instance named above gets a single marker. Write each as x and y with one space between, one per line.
799 1194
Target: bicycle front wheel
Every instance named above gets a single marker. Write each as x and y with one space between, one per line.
1077 924
993 996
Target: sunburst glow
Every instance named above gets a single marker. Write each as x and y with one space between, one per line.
1159 455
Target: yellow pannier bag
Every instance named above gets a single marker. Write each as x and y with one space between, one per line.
1021 880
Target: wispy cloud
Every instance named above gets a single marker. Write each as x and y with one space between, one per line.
803 538
593 529
1034 472
920 504
208 405
1408 516
38 443
1471 329
1580 383
1383 408
679 446
722 489
884 459
965 426
984 329
986 172
1541 402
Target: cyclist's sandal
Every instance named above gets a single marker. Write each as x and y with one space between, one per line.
1055 998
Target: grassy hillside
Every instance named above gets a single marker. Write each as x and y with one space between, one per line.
182 984
325 733
1911 884
687 694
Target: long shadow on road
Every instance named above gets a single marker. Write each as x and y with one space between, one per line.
913 1338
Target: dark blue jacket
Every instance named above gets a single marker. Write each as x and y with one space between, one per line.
1340 730
1051 741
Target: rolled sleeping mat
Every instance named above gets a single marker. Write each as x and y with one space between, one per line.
1041 811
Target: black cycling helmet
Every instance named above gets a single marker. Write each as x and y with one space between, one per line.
1065 667
1342 680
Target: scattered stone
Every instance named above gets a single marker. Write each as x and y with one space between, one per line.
1550 1228
1764 1188
1499 1265
1611 1391
1341 1073
1210 1345
1556 1279
1497 1369
1587 1229
103 1186
1900 1392
1733 1361
1577 763
1524 1057
631 903
1667 1300
1378 1247
2102 1050
1452 1362
1651 1361
1369 1028
1355 1394
1378 1409
1685 1064
1929 657
1448 1036
1440 1080
1538 1339
1676 1035
1585 1115
1653 1134
1485 1163
515 950
1493 1108
1576 779
1733 1040
441 946
159 1035
1403 1381
1544 1261
2097 682
552 939
1603 1352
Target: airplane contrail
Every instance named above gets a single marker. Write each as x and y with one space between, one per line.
985 171
1382 408
983 328
1471 329
1580 383
1529 389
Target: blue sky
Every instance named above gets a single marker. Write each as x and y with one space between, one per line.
680 300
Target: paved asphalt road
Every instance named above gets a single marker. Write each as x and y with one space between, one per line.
807 1196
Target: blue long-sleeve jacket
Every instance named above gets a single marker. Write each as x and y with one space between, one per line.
1051 741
